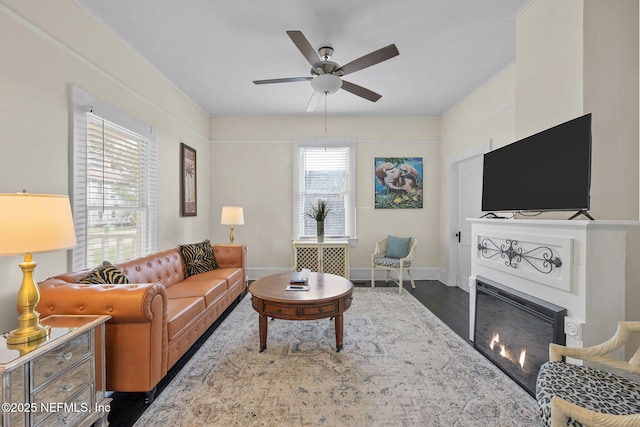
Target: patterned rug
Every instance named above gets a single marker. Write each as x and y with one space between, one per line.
400 366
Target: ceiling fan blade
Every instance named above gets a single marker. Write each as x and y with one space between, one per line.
360 91
314 101
285 80
305 47
370 59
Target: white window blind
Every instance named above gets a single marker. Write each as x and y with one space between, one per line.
114 189
324 170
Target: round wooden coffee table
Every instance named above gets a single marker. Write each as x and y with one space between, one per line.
328 296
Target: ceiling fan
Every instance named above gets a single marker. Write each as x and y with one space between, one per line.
326 75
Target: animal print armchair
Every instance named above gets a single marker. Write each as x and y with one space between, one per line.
574 395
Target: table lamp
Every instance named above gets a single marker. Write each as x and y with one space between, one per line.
31 223
232 215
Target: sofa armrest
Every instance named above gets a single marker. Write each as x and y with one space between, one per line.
131 303
230 256
136 335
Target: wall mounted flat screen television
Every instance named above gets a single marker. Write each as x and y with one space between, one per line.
548 171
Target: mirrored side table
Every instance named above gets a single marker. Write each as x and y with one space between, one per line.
59 380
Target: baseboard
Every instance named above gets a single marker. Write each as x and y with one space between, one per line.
257 272
418 273
358 273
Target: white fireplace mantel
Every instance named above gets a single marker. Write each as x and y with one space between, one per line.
577 264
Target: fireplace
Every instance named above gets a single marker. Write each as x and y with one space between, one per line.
513 330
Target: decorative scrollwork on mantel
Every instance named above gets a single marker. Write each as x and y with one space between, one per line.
541 258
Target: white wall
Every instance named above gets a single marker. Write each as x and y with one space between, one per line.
486 114
47 45
549 58
254 158
611 95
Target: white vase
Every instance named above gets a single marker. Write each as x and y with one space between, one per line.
320 231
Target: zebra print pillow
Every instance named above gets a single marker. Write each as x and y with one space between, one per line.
106 273
198 258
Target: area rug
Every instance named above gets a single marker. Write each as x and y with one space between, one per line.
400 366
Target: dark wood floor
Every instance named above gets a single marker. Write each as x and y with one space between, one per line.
451 305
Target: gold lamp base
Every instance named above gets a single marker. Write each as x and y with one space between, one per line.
29 327
23 336
232 236
27 347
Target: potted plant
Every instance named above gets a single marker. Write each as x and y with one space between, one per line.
319 213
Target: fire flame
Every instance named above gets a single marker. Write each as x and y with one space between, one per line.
494 340
523 354
503 350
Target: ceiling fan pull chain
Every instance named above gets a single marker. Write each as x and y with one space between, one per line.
325 122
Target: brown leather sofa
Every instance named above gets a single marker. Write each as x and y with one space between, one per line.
156 318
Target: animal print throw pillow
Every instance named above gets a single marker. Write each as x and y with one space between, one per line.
105 273
198 258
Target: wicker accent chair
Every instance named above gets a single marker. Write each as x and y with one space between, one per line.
382 259
574 395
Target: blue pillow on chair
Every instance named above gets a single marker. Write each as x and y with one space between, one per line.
398 247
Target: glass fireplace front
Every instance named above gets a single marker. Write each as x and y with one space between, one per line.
514 330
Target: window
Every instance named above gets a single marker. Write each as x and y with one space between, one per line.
114 189
324 171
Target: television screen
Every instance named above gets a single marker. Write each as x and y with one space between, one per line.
550 170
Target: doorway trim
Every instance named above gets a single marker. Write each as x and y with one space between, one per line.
452 164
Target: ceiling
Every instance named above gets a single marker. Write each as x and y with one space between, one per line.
212 50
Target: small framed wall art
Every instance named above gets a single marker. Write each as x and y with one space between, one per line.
398 182
188 187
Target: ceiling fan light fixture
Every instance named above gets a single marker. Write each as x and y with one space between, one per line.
326 76
326 83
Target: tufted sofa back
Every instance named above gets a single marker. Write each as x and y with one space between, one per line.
164 267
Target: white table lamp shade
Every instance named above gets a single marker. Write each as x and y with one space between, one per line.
31 223
232 215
